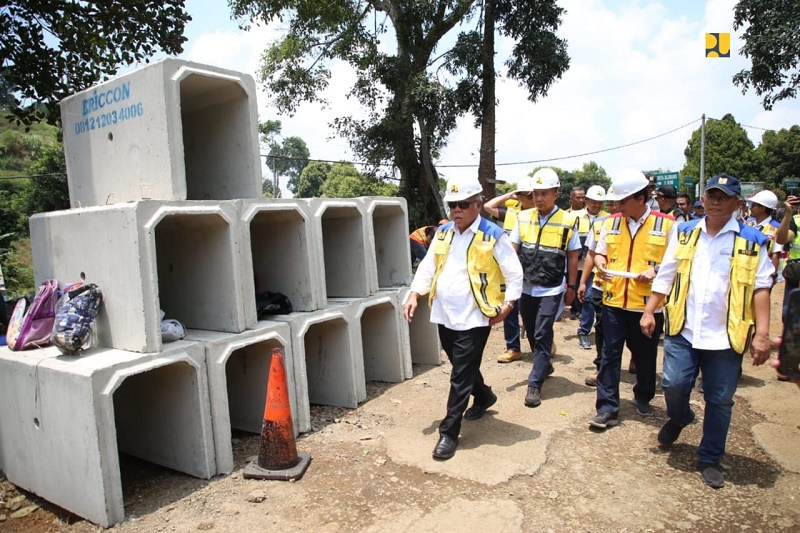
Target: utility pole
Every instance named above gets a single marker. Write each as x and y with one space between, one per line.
702 185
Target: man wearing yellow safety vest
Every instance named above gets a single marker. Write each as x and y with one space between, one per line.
762 205
548 247
594 212
717 275
505 208
787 233
474 277
628 254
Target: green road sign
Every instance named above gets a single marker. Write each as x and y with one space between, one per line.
792 183
669 178
688 181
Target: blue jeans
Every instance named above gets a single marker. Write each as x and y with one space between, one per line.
587 310
721 371
511 328
539 315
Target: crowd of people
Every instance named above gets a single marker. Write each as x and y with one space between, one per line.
633 263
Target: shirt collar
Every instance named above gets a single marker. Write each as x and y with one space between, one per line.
474 226
545 215
730 225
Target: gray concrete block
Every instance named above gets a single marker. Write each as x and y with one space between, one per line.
328 361
181 257
280 252
387 223
238 374
65 419
343 244
423 335
172 130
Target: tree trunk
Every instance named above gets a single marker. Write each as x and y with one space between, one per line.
486 169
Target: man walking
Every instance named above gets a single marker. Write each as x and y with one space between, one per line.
717 274
666 197
587 222
474 277
628 254
548 247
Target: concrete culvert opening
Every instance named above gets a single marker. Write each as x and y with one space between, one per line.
195 271
158 419
393 261
380 342
343 245
216 124
329 367
281 256
247 375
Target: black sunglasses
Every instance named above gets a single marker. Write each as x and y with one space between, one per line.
462 204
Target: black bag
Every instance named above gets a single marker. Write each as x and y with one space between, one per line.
791 272
273 303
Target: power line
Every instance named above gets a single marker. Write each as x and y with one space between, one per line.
28 176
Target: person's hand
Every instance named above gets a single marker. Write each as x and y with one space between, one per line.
410 306
648 324
603 274
504 311
569 296
776 363
759 349
581 292
791 203
647 276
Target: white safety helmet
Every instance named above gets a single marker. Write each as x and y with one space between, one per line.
545 178
596 192
625 183
525 184
765 198
461 188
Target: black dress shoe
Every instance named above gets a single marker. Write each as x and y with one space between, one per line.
445 448
478 408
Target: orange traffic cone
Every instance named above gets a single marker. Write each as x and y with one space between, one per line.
278 457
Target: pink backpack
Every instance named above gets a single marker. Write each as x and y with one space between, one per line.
30 326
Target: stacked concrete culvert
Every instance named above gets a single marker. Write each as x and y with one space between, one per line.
164 179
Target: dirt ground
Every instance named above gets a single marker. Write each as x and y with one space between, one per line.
516 469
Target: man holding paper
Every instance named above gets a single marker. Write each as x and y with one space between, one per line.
629 251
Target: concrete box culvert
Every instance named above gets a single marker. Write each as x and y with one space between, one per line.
66 419
172 130
348 260
423 336
180 257
238 376
388 218
281 252
326 354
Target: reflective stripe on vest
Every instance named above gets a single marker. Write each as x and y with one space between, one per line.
543 249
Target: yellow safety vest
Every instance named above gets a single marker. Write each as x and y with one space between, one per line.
485 276
769 230
747 246
543 249
513 207
635 254
794 253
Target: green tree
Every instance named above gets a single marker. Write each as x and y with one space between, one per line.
772 43
50 50
312 178
345 181
287 157
728 150
779 153
589 174
267 189
411 110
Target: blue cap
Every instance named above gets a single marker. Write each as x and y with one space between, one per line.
726 183
698 203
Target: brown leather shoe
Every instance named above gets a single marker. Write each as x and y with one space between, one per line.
591 381
509 356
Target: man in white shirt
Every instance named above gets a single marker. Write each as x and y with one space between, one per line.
717 274
474 277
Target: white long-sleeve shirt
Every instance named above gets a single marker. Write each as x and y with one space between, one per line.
454 305
707 302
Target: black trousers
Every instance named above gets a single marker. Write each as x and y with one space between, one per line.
465 351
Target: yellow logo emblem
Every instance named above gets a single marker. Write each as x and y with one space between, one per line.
723 181
718 45
539 180
454 188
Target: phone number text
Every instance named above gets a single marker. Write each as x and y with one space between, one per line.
109 118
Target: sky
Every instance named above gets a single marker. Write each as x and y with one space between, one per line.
638 70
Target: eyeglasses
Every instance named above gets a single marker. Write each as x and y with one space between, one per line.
461 204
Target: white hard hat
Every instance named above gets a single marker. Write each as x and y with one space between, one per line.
596 192
461 188
625 183
545 178
765 198
525 184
